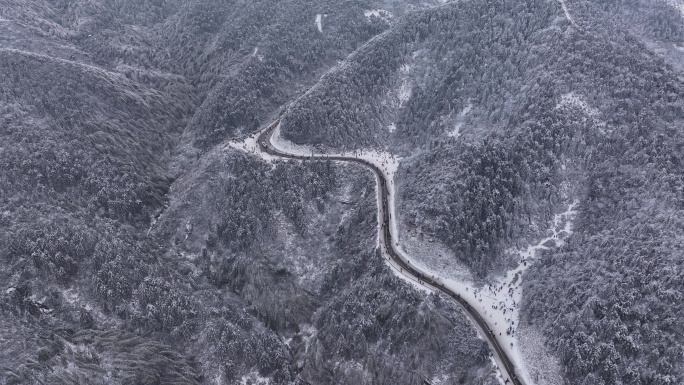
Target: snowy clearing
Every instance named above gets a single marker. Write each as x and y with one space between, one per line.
442 379
307 332
250 145
404 93
72 297
677 4
379 13
572 100
456 132
392 127
499 303
254 378
319 22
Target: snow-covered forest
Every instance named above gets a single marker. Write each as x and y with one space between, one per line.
140 245
552 103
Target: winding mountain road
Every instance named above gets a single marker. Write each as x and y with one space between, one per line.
392 254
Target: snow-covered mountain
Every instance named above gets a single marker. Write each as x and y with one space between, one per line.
140 244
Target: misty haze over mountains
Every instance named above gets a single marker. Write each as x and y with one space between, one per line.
144 242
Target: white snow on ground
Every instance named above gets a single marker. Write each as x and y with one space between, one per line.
307 333
379 13
386 162
392 127
255 53
404 93
496 364
573 100
438 380
72 298
497 303
567 13
456 132
250 145
319 23
289 147
254 378
399 271
677 4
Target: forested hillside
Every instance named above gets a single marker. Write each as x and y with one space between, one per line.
507 111
438 57
609 300
138 248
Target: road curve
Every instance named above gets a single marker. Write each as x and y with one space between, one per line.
264 143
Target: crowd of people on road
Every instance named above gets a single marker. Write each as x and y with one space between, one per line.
505 306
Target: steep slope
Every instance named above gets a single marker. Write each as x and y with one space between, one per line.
506 111
137 248
130 232
406 88
608 300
